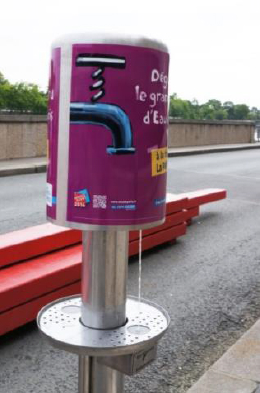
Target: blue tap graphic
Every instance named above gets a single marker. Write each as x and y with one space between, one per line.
112 117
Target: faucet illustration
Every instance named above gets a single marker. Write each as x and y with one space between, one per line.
110 116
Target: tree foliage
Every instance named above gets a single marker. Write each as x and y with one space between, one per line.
211 110
21 97
28 98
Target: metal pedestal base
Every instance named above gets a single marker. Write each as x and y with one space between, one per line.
111 335
61 324
105 355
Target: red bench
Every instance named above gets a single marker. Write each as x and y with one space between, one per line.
42 263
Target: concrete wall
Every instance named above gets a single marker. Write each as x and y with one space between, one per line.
201 132
22 136
25 135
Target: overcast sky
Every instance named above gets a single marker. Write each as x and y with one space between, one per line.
214 45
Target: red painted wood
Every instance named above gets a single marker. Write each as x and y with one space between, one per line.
192 212
171 219
175 203
158 238
38 240
35 277
30 242
200 197
33 241
27 312
26 287
38 278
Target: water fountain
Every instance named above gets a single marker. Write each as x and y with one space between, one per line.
107 146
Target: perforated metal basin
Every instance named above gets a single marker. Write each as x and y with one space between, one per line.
60 323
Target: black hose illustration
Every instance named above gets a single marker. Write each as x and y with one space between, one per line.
112 117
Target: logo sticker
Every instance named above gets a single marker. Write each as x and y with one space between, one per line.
81 198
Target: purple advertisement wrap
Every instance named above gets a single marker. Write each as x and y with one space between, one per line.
53 126
117 136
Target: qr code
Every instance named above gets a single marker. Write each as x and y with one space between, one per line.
99 201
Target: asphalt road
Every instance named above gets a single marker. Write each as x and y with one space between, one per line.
22 201
208 281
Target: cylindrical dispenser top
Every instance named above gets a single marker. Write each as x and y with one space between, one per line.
107 132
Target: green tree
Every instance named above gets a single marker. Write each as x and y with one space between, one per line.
178 108
254 114
2 79
241 112
211 110
229 107
182 109
221 114
214 104
22 97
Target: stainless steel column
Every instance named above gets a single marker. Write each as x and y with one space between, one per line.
85 368
104 277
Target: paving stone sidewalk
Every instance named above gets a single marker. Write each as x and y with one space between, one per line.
237 371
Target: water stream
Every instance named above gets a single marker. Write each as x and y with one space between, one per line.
140 269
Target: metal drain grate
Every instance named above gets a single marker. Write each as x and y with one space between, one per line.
60 322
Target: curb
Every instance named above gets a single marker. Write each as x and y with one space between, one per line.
23 170
238 370
211 150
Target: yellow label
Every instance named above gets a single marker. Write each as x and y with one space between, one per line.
159 161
